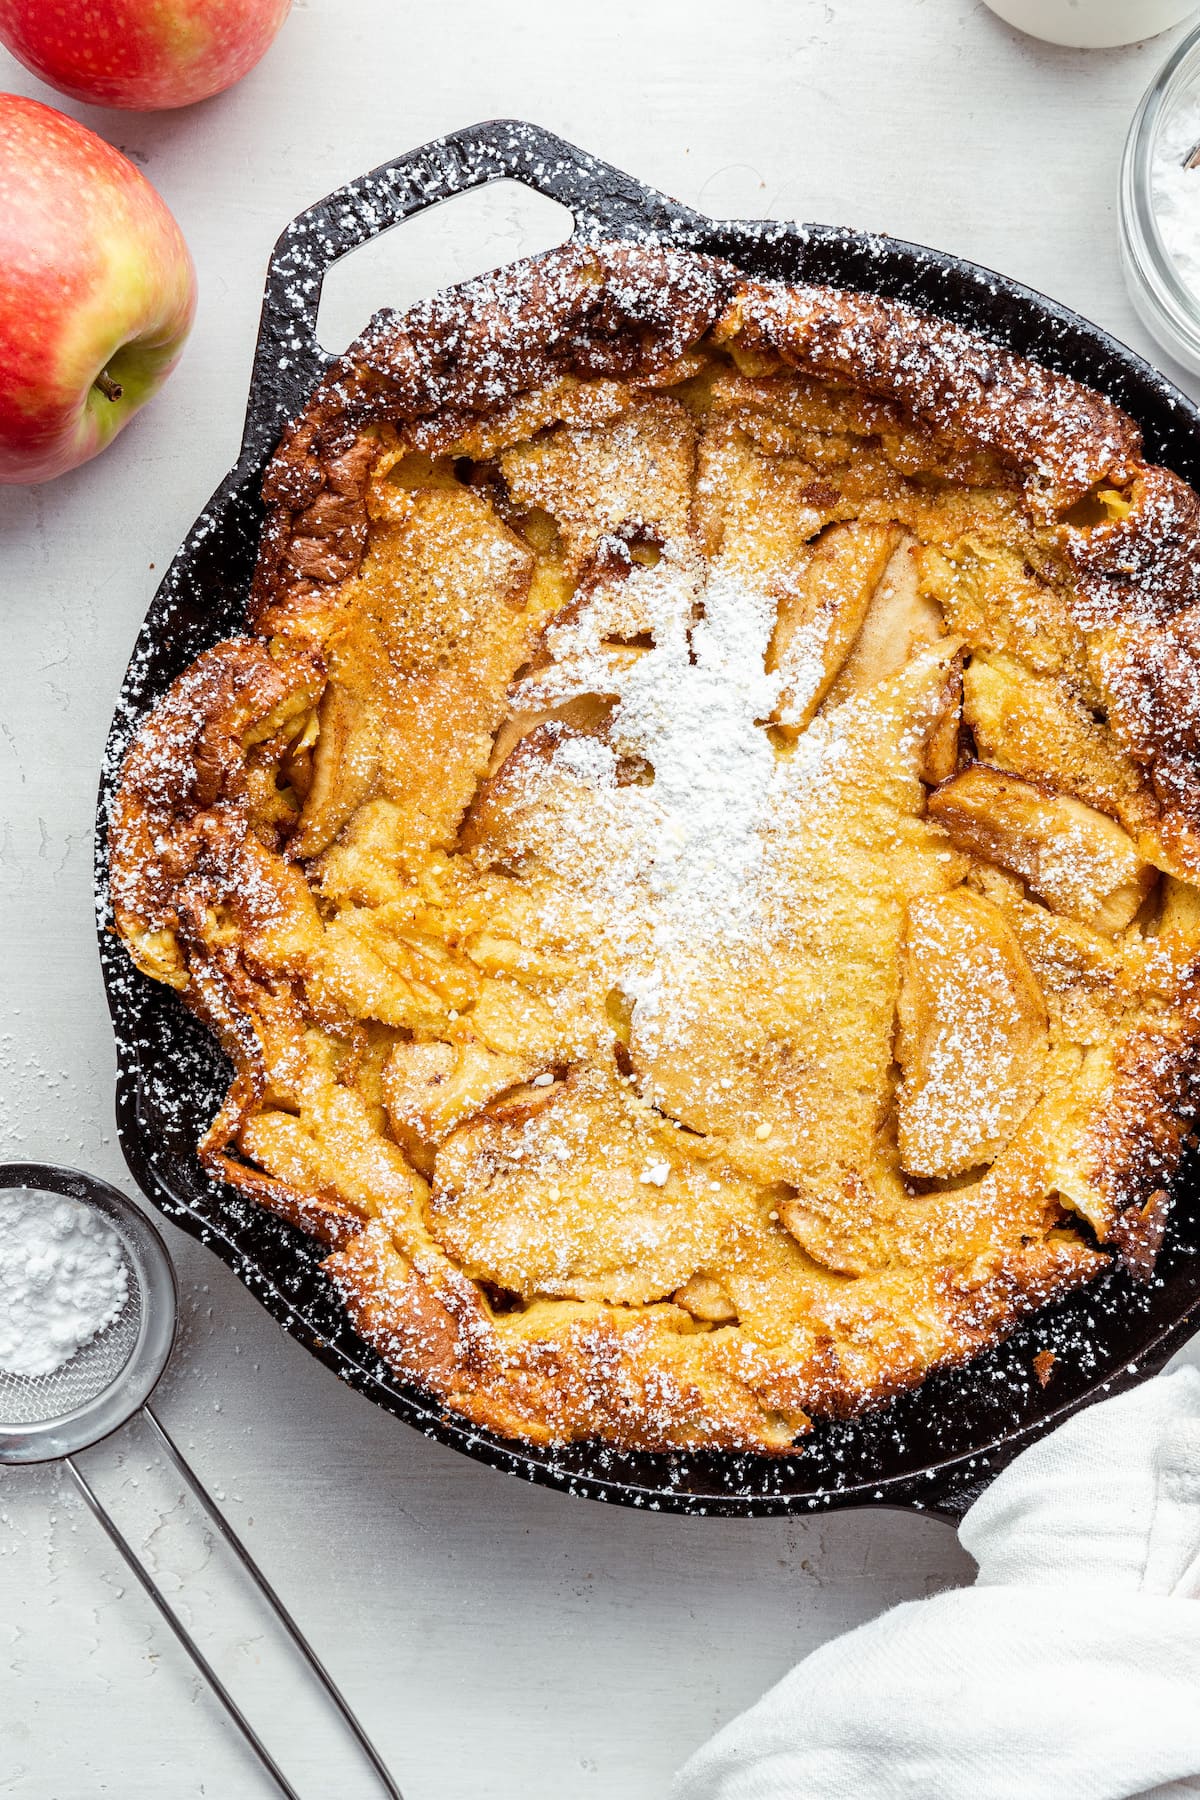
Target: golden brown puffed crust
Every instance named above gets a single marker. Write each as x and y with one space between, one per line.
614 312
620 312
324 1216
1136 1147
1138 577
1064 438
1138 594
554 319
365 985
642 1381
181 845
185 773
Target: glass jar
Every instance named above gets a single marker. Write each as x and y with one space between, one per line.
1168 308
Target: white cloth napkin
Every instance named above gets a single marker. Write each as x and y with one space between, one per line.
1071 1669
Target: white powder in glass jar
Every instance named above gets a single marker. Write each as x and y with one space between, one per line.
63 1279
1175 190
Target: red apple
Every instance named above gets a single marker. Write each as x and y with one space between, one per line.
97 291
143 54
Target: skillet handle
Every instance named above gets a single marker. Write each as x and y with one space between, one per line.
954 1494
604 202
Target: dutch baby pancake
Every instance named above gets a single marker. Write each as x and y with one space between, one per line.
695 859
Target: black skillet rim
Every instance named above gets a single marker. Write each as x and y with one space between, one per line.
876 1461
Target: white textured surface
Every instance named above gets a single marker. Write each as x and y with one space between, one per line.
500 1641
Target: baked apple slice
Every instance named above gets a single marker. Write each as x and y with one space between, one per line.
1033 725
898 621
706 1300
345 768
582 1191
429 1088
939 753
972 1039
587 713
1071 857
821 614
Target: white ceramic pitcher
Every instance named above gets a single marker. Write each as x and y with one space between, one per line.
1093 24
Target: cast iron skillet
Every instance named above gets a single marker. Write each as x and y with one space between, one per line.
932 1450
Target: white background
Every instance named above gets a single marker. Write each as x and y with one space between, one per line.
500 1641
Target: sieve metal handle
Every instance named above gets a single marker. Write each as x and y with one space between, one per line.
603 200
251 1568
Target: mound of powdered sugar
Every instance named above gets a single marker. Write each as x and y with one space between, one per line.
63 1279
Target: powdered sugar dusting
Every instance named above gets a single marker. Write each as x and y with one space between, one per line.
63 1280
675 868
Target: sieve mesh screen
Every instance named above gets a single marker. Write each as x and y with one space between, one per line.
37 1399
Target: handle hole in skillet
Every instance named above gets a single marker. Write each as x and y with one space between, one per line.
478 231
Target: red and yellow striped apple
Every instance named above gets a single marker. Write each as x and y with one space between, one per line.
97 291
143 54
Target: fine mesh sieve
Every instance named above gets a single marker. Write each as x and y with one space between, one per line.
107 1383
47 1417
38 1399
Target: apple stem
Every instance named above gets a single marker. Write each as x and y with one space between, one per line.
112 390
